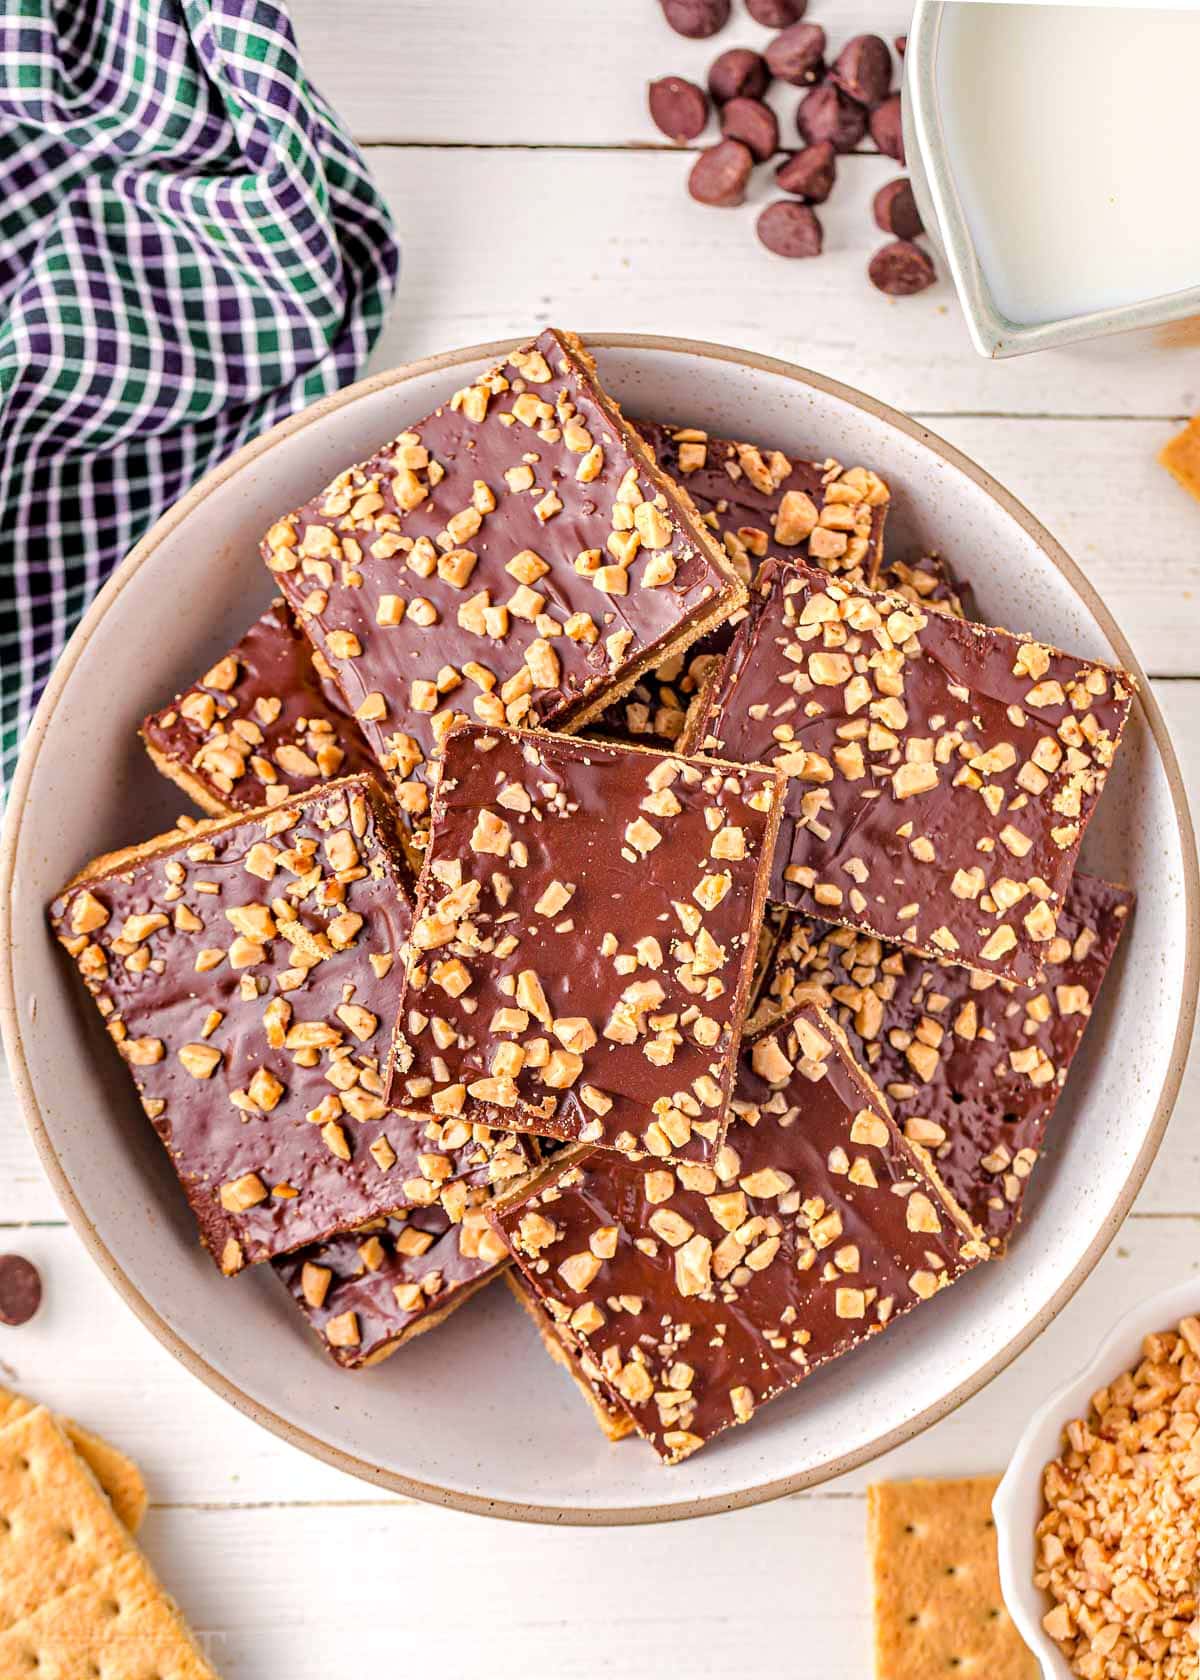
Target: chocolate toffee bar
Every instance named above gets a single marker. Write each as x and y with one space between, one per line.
972 1067
763 502
940 774
699 1292
757 503
585 938
516 557
368 1292
244 970
263 722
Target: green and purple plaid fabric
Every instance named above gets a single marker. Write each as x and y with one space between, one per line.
190 248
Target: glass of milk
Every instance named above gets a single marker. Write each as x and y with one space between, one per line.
1050 146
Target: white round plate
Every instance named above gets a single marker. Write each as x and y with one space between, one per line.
475 1415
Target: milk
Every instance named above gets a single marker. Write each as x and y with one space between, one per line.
1073 134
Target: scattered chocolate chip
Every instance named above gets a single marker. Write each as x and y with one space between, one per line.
896 210
20 1289
798 54
697 19
790 229
738 74
719 175
678 108
863 69
887 130
776 14
809 173
901 44
754 124
827 114
900 269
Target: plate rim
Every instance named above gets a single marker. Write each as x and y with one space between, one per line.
338 1457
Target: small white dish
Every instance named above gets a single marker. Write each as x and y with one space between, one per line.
1017 1506
475 1415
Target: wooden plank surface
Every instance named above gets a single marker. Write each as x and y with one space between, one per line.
528 186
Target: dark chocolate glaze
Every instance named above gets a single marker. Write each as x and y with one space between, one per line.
272 697
354 544
379 1294
696 1310
852 848
940 1041
568 805
155 1001
739 489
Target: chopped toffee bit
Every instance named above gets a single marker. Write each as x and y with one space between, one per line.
264 722
940 774
515 558
972 1067
758 503
584 940
244 970
699 1292
367 1292
929 581
1118 1545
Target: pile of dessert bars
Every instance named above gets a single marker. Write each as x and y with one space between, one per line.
618 877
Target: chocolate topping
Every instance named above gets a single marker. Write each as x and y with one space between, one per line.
245 973
369 1291
584 939
940 774
261 723
972 1068
512 557
697 1293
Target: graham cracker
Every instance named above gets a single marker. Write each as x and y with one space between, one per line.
76 1597
117 1624
117 1474
938 1607
1181 457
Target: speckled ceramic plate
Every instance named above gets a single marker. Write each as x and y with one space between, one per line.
475 1415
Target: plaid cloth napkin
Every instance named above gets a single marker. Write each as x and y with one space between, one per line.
190 248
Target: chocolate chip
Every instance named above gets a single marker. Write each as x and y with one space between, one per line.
896 210
790 229
679 108
20 1289
697 19
754 124
738 74
827 114
719 175
798 54
809 173
900 269
776 14
863 69
887 130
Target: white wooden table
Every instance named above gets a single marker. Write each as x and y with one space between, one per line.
511 140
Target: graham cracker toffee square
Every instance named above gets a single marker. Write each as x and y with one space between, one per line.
764 502
265 721
972 1067
938 1605
757 502
941 774
698 1292
562 1345
244 970
368 1292
515 557
585 938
